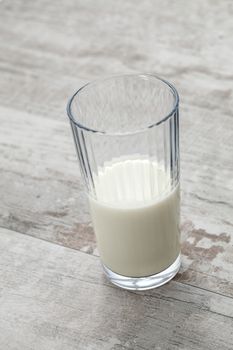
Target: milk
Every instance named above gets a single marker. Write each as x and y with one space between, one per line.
135 217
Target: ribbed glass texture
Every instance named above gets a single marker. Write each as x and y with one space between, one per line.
126 132
126 118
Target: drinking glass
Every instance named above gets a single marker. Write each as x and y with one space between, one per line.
126 133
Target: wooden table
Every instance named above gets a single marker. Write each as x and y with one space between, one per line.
53 294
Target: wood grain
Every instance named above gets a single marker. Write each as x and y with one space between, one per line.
57 298
47 51
42 194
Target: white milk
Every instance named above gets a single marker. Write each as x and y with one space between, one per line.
136 218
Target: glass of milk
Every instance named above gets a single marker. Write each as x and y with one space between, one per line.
126 133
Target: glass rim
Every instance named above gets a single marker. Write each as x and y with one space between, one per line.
162 120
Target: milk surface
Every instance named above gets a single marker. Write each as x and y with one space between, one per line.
136 218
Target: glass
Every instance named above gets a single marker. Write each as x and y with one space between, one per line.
126 133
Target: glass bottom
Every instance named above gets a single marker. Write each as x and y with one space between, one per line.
144 283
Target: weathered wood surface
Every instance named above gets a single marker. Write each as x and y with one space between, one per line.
54 297
41 193
48 50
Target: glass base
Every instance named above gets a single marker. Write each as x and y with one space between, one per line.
144 283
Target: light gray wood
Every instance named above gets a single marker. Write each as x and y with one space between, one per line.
48 50
188 44
54 297
42 195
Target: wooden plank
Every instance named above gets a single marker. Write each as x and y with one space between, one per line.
42 195
41 191
54 297
42 66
